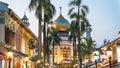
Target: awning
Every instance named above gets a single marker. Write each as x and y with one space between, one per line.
2 56
18 52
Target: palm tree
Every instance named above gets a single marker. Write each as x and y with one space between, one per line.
48 40
88 47
42 7
49 12
80 22
73 37
36 5
53 39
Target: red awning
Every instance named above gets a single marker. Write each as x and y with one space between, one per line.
2 55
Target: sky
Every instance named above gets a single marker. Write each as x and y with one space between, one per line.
103 16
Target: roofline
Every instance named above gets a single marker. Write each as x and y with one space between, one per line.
110 42
4 3
17 18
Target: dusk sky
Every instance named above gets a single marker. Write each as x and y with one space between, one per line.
104 16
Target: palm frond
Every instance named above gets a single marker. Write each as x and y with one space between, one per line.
78 2
83 13
71 10
54 38
73 15
72 3
38 12
85 8
33 4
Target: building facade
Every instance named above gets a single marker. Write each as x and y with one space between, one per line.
115 56
108 56
63 53
15 36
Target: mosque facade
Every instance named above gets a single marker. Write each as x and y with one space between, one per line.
63 53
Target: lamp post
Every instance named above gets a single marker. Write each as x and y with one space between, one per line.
95 58
26 59
109 53
9 56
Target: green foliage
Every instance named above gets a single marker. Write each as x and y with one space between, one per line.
53 37
44 11
34 58
31 44
73 31
85 8
87 46
79 19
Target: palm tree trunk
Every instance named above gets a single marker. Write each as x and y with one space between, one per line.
79 50
53 53
74 47
45 38
39 38
74 50
45 44
48 54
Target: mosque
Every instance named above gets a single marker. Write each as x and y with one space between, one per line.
63 53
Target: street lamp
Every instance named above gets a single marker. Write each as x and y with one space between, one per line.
26 59
9 56
109 53
95 59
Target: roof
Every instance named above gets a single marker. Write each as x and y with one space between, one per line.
114 41
61 24
3 6
17 52
17 18
24 17
3 3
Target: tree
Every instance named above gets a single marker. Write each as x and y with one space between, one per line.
49 12
31 43
42 7
87 47
73 37
53 39
36 5
80 20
